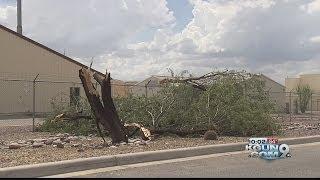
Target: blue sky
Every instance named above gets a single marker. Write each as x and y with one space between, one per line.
182 11
139 38
7 2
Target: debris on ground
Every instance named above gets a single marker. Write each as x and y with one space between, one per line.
37 147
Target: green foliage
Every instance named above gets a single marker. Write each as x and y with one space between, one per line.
160 110
178 110
78 127
132 109
210 135
235 104
82 126
296 106
232 105
236 107
304 93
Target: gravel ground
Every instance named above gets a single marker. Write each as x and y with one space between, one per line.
298 126
29 155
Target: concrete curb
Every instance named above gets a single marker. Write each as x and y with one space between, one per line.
60 167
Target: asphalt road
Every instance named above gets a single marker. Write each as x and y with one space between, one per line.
305 162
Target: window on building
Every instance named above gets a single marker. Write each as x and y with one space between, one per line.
74 95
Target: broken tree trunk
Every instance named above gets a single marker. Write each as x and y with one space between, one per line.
105 113
133 128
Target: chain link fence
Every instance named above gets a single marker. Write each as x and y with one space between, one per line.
27 102
288 106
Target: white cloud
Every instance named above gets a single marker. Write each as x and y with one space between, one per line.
250 35
312 7
124 5
276 37
315 39
280 71
89 28
5 12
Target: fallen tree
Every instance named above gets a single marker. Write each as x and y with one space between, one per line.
134 128
235 102
232 101
205 80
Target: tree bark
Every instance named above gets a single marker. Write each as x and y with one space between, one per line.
133 128
199 82
106 113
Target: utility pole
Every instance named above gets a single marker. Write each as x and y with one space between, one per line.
290 104
311 105
19 17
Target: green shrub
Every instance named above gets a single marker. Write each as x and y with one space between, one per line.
237 107
210 135
78 127
232 105
304 93
82 126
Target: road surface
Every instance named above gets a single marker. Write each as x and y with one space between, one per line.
305 162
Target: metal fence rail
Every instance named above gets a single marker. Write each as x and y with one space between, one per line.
32 99
26 101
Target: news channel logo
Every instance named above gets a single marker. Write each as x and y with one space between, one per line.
267 148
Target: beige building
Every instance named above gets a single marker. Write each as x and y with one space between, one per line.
149 86
22 59
313 81
276 92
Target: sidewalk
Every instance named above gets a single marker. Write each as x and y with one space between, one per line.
19 122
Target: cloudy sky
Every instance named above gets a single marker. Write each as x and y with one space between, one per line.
137 38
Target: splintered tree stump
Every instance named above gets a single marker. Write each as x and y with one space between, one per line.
133 128
105 111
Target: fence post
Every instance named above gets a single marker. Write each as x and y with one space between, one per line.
290 105
34 102
208 106
146 86
146 90
311 105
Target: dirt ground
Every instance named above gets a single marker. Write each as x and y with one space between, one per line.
90 147
299 125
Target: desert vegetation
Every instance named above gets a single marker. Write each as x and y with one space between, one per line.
231 103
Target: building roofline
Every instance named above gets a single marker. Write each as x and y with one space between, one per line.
311 74
46 48
153 76
163 76
272 80
142 81
160 76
